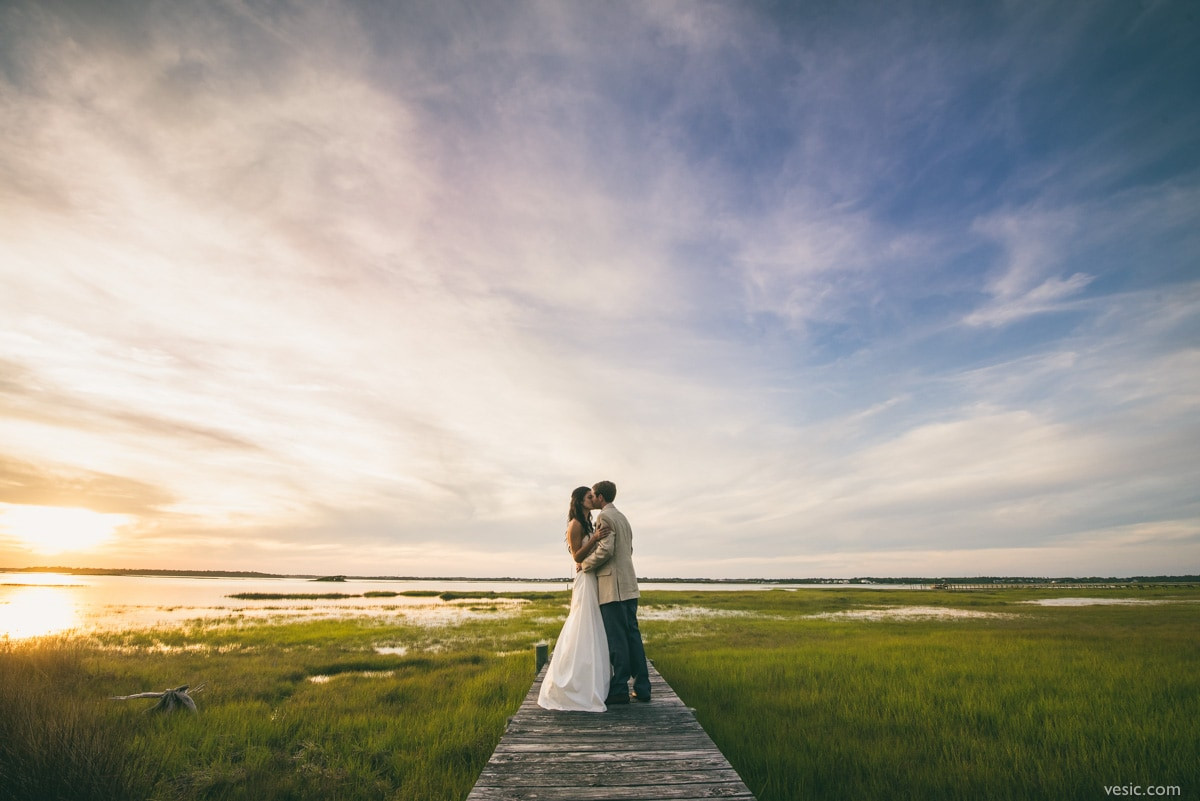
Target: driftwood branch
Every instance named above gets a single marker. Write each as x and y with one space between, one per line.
168 700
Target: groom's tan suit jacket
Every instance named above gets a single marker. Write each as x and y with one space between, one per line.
612 561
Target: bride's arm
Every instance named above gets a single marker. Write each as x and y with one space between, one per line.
582 546
604 547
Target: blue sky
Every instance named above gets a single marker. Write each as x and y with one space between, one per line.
826 289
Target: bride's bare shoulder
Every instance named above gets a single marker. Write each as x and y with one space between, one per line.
575 532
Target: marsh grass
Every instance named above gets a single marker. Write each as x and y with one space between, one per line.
319 596
417 726
54 736
1047 702
294 596
534 595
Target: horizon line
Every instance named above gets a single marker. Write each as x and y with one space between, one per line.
1178 578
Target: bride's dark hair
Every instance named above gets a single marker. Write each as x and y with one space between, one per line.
577 512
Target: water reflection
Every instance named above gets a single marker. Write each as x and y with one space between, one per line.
366 674
34 604
41 580
33 611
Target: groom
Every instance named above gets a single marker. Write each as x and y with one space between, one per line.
612 561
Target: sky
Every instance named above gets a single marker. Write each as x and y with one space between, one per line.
827 289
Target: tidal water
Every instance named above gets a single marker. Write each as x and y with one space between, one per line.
38 604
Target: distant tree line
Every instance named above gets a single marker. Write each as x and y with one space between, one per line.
119 571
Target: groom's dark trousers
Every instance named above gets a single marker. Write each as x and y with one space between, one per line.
625 650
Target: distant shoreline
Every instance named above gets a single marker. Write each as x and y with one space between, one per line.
942 580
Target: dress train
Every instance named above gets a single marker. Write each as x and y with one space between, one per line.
578 675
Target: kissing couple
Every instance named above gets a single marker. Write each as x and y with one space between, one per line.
600 647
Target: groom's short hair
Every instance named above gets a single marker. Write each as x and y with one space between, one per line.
606 490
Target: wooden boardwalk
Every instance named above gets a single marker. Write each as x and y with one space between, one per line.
639 752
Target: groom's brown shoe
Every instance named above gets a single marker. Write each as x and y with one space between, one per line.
645 699
616 699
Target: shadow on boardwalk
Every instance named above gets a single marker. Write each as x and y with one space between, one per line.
637 752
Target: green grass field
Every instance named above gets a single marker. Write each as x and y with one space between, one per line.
806 700
1035 702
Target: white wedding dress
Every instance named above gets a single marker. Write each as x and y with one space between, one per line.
578 675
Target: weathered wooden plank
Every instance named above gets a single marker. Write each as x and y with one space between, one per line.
651 793
630 748
621 716
665 724
597 776
593 775
525 751
638 752
657 760
681 719
665 730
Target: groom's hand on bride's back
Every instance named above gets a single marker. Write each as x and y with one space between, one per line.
604 547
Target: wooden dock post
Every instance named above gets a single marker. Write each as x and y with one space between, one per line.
541 656
635 752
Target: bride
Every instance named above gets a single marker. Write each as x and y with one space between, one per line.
577 677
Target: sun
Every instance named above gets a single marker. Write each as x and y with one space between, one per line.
50 530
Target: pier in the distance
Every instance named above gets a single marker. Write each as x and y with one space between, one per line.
640 752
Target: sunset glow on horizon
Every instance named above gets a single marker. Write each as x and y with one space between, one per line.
48 530
368 289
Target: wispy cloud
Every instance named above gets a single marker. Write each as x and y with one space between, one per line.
1034 247
293 286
